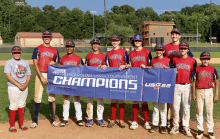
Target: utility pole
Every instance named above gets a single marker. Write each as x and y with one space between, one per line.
211 22
93 12
105 22
18 4
197 37
9 21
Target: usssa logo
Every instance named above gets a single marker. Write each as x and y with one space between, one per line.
157 86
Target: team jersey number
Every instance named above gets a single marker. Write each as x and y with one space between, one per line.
187 74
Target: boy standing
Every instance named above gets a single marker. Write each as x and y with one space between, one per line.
205 78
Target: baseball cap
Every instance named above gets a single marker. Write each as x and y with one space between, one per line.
46 33
184 45
115 37
70 43
95 41
16 49
205 55
176 30
138 37
159 46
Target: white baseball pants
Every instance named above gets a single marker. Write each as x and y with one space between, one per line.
182 93
66 107
207 96
100 108
163 114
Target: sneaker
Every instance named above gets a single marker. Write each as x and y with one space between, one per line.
187 132
122 124
63 123
168 123
154 129
80 123
23 127
174 130
211 135
101 123
12 129
200 134
55 124
112 123
134 125
163 130
33 125
147 125
89 123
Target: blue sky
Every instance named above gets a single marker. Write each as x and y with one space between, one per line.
159 6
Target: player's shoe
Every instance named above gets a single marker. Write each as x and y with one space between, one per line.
181 126
168 123
80 123
12 129
154 129
33 125
63 123
211 135
55 124
187 132
200 134
174 130
24 127
89 123
101 123
147 125
122 124
112 123
163 130
134 125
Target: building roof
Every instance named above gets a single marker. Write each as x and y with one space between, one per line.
158 23
37 35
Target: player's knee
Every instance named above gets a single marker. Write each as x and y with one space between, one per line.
51 97
66 102
37 100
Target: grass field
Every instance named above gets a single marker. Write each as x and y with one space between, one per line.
45 113
27 56
194 44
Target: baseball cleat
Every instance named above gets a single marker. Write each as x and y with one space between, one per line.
168 123
33 125
112 123
187 132
163 130
80 123
12 129
63 123
101 123
147 126
134 125
154 129
200 134
211 135
122 124
55 124
174 130
89 123
24 127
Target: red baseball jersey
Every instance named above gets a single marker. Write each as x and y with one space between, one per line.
185 67
45 55
205 76
137 58
95 59
160 62
73 60
116 58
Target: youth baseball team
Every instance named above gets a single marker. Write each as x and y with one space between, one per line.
173 55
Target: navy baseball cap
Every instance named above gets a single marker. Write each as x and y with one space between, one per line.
159 46
16 49
176 30
138 37
95 41
205 55
115 37
47 33
184 45
70 43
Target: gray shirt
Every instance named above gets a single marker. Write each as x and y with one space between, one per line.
19 70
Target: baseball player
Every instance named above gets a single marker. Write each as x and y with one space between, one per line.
171 51
42 56
140 57
182 92
96 59
205 78
117 57
18 74
160 62
71 59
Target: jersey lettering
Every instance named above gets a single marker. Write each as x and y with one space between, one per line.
183 66
138 58
47 54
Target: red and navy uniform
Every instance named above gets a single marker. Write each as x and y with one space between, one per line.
172 51
95 60
137 58
73 60
160 62
185 68
205 76
45 55
116 58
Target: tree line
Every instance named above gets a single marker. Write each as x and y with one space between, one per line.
124 20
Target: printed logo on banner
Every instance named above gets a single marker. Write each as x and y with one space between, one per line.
157 86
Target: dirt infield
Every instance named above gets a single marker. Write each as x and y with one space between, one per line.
45 130
212 61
